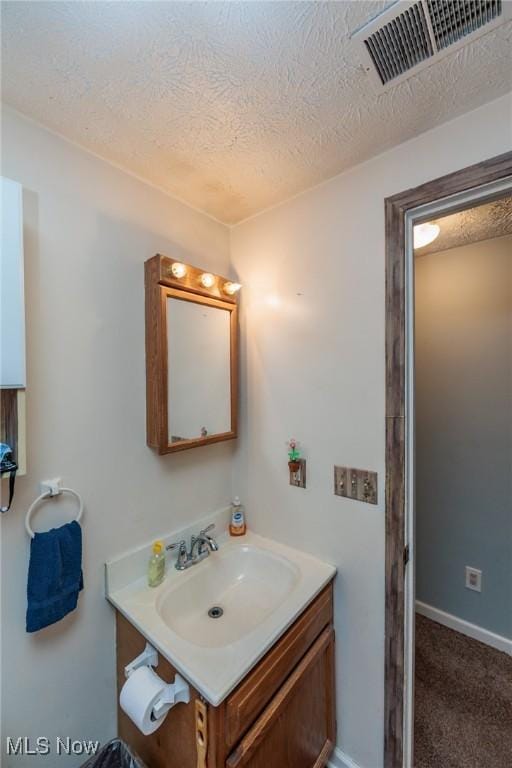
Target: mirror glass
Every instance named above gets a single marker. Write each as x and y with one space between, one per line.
199 381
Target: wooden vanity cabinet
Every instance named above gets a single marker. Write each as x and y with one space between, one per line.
281 715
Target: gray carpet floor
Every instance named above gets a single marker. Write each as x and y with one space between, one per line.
463 701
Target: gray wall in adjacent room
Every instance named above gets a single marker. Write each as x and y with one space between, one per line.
464 431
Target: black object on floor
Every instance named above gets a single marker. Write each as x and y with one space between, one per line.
115 754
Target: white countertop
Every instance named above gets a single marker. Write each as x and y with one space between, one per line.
214 670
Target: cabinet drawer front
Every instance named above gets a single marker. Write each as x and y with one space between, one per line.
254 693
296 730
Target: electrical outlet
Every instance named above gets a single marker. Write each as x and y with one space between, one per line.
473 579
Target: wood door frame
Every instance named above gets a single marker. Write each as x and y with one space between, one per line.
396 209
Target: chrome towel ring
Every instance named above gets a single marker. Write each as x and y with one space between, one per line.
50 493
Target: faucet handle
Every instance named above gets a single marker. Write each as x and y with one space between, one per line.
207 529
181 546
175 545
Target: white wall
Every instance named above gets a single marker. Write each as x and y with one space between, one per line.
313 331
463 332
88 230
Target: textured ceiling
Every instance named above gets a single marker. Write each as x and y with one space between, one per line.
480 223
231 106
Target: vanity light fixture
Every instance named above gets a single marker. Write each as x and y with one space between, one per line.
173 305
207 280
424 234
231 288
178 269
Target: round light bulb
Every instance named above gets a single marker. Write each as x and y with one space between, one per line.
178 269
207 280
425 234
232 288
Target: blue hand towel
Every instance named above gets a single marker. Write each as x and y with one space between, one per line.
54 575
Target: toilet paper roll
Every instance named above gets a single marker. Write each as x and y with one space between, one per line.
138 697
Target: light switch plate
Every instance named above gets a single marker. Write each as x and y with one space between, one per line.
357 484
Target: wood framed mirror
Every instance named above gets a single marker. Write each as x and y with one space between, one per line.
191 356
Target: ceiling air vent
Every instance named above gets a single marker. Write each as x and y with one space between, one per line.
451 21
401 44
410 36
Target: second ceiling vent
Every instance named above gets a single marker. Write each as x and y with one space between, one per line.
410 36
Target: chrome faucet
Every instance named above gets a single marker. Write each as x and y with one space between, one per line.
200 547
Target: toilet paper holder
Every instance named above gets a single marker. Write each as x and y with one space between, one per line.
173 693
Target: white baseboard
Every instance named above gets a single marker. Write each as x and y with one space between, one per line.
465 628
339 759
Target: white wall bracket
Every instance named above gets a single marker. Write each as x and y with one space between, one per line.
53 486
148 658
174 693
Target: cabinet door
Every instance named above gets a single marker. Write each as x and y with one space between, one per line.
254 693
296 730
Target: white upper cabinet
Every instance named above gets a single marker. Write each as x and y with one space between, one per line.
12 302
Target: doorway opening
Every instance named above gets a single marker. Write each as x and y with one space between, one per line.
471 188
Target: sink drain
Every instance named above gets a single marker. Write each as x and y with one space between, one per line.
215 612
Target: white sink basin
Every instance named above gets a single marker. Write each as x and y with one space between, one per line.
260 585
247 583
